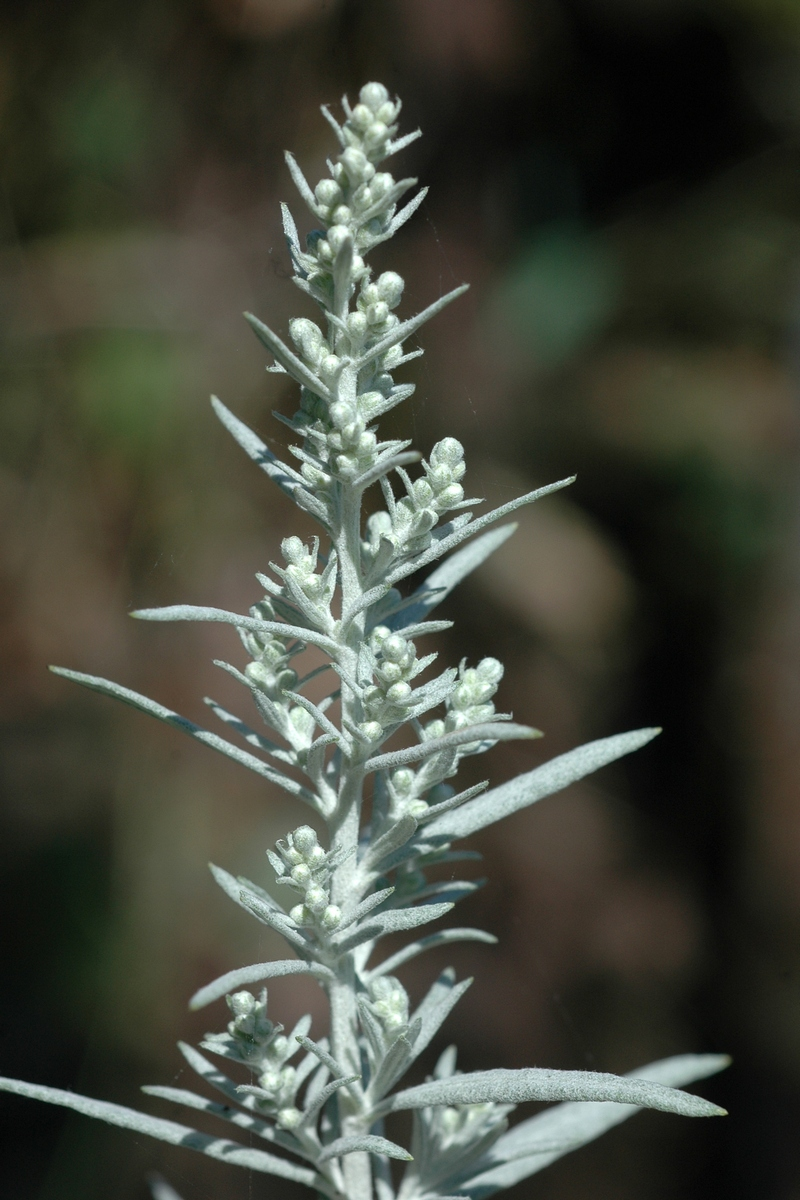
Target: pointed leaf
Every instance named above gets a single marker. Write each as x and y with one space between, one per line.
406 328
539 1141
430 942
441 582
197 612
368 1142
289 361
539 1083
489 732
394 921
526 789
144 704
233 980
165 1131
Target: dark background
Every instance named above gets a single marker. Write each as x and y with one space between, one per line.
618 180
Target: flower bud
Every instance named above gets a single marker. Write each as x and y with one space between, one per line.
376 135
403 781
294 551
358 167
372 730
373 95
357 325
289 1118
316 898
448 452
390 287
305 839
337 235
361 117
380 184
398 693
331 917
377 313
394 647
301 874
327 193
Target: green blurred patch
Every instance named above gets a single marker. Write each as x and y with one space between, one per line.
557 296
104 124
128 387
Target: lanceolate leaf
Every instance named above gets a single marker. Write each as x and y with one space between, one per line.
368 1142
166 1131
539 1083
234 980
535 785
458 566
496 731
107 688
443 937
533 1144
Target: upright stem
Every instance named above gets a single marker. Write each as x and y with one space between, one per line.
344 830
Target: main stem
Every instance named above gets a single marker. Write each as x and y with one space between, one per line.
344 829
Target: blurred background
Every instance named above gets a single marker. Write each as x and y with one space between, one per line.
618 180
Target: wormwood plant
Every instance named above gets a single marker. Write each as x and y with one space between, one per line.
389 808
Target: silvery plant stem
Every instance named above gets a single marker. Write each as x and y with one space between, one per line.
320 1110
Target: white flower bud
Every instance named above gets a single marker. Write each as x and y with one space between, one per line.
422 492
390 287
490 670
398 693
294 551
448 452
331 917
327 193
357 325
241 1004
337 235
380 184
387 112
403 781
372 730
301 874
316 898
324 252
315 857
448 497
305 839
329 366
377 313
394 647
376 135
299 915
361 117
289 1118
358 167
373 95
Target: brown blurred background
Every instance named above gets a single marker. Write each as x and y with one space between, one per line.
618 180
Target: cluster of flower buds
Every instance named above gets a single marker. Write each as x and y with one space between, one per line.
357 193
402 786
387 700
269 672
253 1039
428 498
303 864
310 591
388 1002
470 702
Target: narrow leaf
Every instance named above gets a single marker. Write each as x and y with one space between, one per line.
107 688
234 980
491 732
289 361
441 582
533 1144
165 1131
196 612
394 921
406 328
368 1142
543 781
461 530
430 942
539 1083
